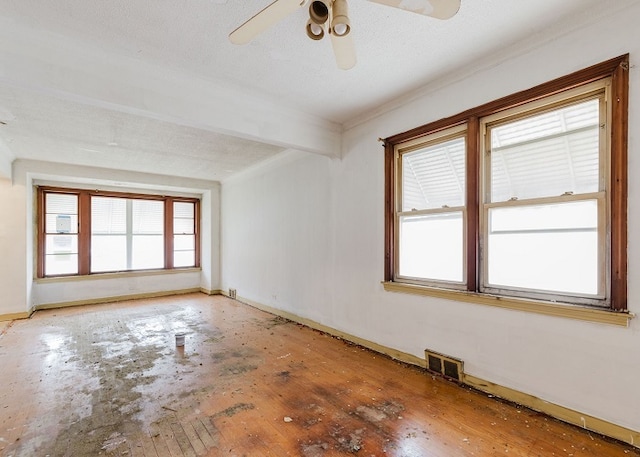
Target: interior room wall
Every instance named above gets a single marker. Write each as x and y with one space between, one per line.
6 158
305 234
13 296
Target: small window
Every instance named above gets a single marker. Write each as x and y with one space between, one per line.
184 234
431 224
61 234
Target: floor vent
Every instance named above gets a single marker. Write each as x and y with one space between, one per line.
232 293
444 365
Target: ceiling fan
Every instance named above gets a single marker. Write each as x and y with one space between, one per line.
332 17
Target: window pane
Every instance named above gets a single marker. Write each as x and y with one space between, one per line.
183 210
108 253
147 252
545 247
434 176
148 216
183 226
61 254
184 251
61 213
61 264
547 154
61 223
184 259
183 242
183 217
431 247
108 215
61 244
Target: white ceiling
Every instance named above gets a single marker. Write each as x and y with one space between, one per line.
155 85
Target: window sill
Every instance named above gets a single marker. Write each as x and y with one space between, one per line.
115 275
539 307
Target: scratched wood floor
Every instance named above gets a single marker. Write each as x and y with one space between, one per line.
109 380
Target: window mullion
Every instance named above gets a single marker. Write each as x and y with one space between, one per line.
168 233
84 233
129 235
472 237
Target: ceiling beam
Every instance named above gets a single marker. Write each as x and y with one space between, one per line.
72 70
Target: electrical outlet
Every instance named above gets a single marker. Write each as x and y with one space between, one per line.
232 293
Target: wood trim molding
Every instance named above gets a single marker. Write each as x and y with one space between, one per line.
168 233
473 201
14 316
389 211
619 184
576 79
211 291
559 412
539 307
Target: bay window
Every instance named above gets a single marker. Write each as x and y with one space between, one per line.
85 232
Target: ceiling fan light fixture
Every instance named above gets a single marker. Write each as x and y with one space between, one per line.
319 11
314 31
340 24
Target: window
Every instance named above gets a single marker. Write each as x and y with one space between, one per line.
431 219
523 197
85 232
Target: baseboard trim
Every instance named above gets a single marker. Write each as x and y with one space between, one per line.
570 416
14 316
559 412
117 298
211 291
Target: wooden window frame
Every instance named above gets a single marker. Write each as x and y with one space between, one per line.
618 70
84 227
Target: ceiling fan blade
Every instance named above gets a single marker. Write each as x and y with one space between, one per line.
440 9
344 51
264 19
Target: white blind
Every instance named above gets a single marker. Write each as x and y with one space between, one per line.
547 154
108 215
148 217
61 213
183 218
434 176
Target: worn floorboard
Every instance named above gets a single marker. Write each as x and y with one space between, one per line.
109 380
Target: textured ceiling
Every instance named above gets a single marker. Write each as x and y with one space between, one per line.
67 132
155 85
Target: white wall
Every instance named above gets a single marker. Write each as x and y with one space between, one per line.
13 252
305 234
20 292
6 158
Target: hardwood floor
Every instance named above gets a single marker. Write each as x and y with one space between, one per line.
109 380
